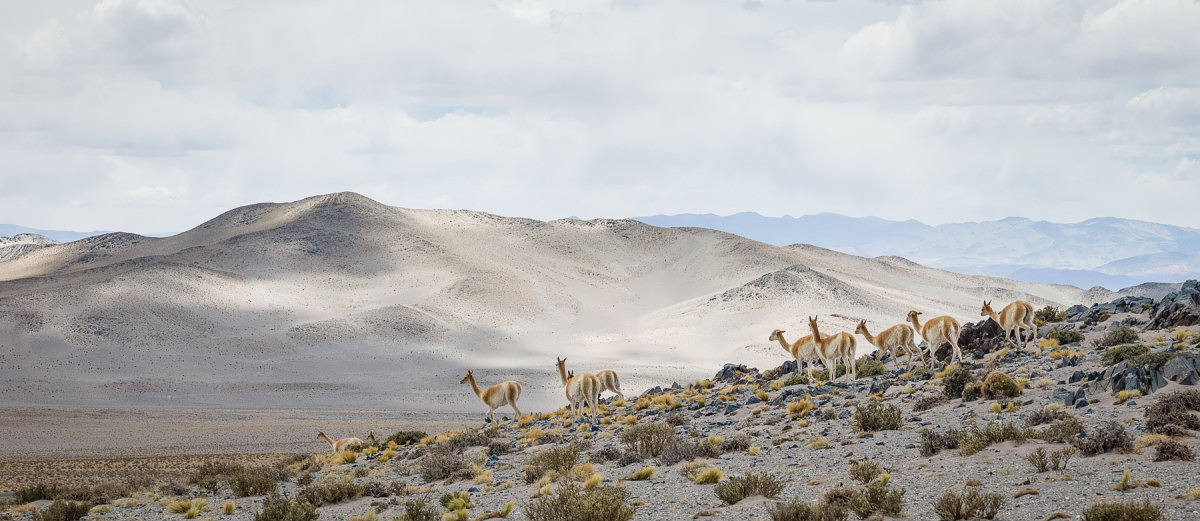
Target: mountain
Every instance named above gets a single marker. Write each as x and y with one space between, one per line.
57 235
1108 252
22 243
328 300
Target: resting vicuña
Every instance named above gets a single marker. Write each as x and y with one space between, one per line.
338 445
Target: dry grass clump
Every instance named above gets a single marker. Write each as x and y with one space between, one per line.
738 488
571 503
276 508
1043 460
976 438
1126 395
1168 450
189 507
875 415
1048 413
863 471
971 504
796 511
800 408
641 475
647 440
925 403
1123 511
817 443
61 510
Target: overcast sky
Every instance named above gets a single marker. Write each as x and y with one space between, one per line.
156 115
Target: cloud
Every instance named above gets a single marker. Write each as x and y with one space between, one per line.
941 111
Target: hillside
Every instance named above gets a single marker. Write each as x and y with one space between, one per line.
16 245
1109 252
319 302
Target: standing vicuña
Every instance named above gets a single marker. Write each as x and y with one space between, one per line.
1014 317
803 350
937 331
887 340
581 389
338 445
503 393
839 346
609 382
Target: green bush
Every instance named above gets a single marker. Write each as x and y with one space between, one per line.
1123 511
1050 314
971 504
256 482
863 471
571 503
647 440
955 380
796 379
972 391
1121 353
1118 336
406 437
999 384
933 442
1065 336
877 498
863 367
61 510
738 488
877 416
277 508
1154 359
418 510
98 494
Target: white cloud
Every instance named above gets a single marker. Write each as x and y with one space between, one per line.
941 111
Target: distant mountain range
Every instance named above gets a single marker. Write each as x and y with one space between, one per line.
57 235
1108 252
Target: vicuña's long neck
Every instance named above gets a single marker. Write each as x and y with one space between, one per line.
867 335
786 346
917 324
474 386
816 334
562 373
327 438
995 316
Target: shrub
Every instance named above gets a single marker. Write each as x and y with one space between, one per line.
91 494
739 443
998 384
1063 430
709 476
1050 314
738 488
933 442
1118 336
571 503
1122 511
1170 412
796 379
647 440
228 508
968 505
330 491
678 449
1043 460
976 439
1065 336
972 391
1121 353
559 460
928 402
61 510
406 437
1047 414
800 408
605 454
865 367
864 471
796 511
1109 437
877 498
277 508
444 462
877 416
1168 450
418 510
956 378
256 482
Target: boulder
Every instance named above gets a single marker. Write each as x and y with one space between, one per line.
1178 308
1180 369
732 373
980 338
880 386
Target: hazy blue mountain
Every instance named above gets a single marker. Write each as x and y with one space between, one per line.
1109 252
58 235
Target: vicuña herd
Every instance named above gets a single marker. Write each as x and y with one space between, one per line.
583 390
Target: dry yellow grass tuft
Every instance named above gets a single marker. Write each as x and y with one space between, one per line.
641 475
800 408
1126 395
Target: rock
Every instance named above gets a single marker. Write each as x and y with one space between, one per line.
1178 308
732 373
1077 376
844 413
980 338
752 400
787 367
880 386
730 407
1179 369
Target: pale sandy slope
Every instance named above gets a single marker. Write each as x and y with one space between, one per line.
338 301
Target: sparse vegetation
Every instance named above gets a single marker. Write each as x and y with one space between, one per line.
1169 414
956 378
61 510
1050 314
999 384
1109 437
1043 460
933 442
1168 450
571 503
1122 511
331 491
647 440
877 416
276 508
928 402
1125 352
557 460
444 462
971 504
863 471
1065 336
738 488
1118 336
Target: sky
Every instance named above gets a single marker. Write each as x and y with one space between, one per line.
152 116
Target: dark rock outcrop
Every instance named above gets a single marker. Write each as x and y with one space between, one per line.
733 372
979 338
1178 308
